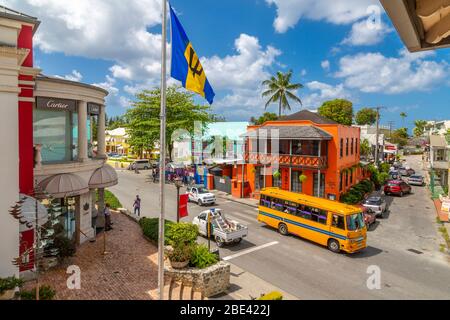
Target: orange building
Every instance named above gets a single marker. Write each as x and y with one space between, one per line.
294 152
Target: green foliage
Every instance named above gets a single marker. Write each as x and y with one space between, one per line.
150 228
66 248
400 137
45 293
272 296
366 116
385 167
182 233
112 200
9 284
280 90
277 174
419 130
302 178
357 193
267 116
365 148
180 253
201 257
116 122
338 110
144 117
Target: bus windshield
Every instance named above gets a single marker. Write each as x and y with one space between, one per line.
355 222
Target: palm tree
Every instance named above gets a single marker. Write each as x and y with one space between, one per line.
280 90
403 115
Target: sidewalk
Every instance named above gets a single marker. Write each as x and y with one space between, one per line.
246 286
246 201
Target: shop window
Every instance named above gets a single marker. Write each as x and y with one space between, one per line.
57 132
352 146
277 182
347 147
342 148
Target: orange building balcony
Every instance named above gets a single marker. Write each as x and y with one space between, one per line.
300 161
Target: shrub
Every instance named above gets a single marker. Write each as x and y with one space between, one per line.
45 293
385 167
9 284
150 228
182 233
272 296
201 257
112 200
66 247
180 253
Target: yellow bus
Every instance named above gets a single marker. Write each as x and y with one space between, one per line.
338 226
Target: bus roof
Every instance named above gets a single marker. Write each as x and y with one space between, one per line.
321 203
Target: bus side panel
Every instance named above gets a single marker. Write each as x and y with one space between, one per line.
264 217
311 231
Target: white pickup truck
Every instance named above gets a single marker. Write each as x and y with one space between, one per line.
201 195
223 230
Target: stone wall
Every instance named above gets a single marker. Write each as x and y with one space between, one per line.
210 281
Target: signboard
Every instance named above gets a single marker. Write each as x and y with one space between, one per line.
56 104
184 199
94 109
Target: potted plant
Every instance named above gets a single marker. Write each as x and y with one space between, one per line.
303 178
277 174
8 287
180 256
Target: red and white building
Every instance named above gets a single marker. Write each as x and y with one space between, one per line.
48 143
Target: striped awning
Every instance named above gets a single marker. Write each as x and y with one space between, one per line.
64 185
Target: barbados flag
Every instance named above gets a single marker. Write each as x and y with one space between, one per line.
186 66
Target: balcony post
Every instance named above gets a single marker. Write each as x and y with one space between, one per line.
82 132
290 165
319 186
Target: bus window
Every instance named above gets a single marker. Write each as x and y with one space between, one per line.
265 201
304 212
277 204
290 208
338 222
355 222
318 216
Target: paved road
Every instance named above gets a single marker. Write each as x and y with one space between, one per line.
309 271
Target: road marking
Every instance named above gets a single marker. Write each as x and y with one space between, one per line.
250 251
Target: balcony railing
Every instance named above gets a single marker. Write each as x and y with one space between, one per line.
301 161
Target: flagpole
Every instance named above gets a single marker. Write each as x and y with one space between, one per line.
162 157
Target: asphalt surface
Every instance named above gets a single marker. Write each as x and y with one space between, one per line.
404 246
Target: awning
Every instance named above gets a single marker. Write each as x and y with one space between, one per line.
64 185
104 177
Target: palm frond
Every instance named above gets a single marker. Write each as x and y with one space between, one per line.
294 97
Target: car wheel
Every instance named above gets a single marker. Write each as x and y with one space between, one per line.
237 241
333 246
200 203
220 243
283 229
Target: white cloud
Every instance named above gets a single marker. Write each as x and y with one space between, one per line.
373 72
364 33
323 92
244 70
325 65
289 12
74 76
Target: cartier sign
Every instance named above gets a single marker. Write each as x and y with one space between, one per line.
56 104
93 109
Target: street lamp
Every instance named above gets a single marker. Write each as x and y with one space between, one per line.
178 185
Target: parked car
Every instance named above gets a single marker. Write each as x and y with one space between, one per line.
406 172
416 180
377 205
143 164
397 187
201 195
370 218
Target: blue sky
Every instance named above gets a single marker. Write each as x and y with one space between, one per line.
330 46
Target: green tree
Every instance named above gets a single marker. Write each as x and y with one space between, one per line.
267 116
144 117
339 110
280 90
365 148
403 115
366 116
400 137
419 130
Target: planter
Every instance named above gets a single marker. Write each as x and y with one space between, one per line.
8 295
179 265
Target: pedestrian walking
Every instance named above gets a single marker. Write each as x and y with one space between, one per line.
137 206
107 214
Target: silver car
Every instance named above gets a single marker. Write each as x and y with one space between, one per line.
377 205
416 180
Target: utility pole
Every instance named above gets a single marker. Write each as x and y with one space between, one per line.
377 151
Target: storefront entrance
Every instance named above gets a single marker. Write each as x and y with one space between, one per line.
68 217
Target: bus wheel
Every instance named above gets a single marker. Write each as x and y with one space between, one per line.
333 245
282 229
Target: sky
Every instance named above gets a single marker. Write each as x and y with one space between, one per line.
337 49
